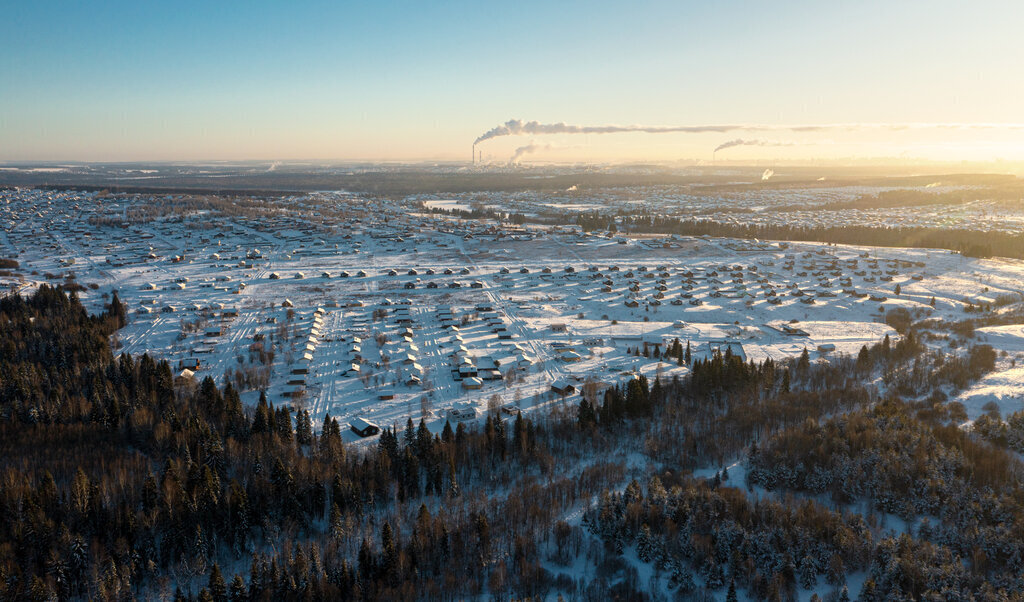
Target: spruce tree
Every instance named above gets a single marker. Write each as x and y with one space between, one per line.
216 585
303 428
730 596
238 593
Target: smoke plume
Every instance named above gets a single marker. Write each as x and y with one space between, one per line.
746 142
530 148
518 127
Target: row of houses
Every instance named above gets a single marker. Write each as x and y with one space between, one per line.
309 343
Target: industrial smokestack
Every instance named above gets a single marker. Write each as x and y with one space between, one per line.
473 160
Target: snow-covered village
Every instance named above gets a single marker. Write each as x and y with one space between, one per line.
644 370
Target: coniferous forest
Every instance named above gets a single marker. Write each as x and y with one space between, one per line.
118 484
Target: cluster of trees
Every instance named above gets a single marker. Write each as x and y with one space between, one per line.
707 536
683 355
902 464
141 210
1007 434
475 213
909 369
725 372
633 400
596 220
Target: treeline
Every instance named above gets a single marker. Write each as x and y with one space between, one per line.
906 197
596 220
972 243
481 213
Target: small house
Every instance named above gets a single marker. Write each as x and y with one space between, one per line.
563 387
364 428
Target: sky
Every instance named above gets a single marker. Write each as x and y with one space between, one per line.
143 80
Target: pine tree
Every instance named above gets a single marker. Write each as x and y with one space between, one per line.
681 578
643 546
424 440
867 592
389 555
216 585
863 359
260 420
335 523
586 416
808 576
410 433
367 565
303 428
284 424
238 592
453 480
730 596
118 311
836 570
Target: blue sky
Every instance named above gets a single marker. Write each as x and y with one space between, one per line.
149 80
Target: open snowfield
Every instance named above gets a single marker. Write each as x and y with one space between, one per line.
1004 388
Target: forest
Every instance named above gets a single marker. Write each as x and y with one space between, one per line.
971 243
119 484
